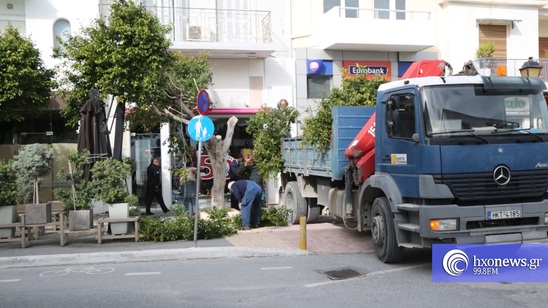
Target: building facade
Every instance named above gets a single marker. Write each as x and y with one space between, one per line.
262 51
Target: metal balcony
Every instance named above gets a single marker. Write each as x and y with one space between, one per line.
221 33
507 67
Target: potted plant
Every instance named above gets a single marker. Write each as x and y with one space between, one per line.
109 181
78 198
32 163
484 53
8 199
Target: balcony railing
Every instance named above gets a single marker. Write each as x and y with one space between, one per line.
212 25
355 12
507 67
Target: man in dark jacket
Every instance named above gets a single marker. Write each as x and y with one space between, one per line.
249 194
234 176
154 186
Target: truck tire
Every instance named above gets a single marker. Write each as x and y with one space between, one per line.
294 201
384 233
314 210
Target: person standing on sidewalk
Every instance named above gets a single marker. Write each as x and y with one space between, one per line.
248 194
154 186
234 176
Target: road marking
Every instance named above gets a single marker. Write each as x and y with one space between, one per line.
275 268
399 269
10 280
143 273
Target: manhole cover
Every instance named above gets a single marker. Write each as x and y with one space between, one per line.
343 273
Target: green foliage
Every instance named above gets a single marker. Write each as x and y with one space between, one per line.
355 91
267 127
109 180
8 186
134 211
124 57
132 200
276 217
181 226
25 83
32 163
218 224
485 50
81 192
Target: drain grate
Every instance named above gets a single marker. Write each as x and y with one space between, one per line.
343 273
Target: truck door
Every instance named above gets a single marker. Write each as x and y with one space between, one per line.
399 148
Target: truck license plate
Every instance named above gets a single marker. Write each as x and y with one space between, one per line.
503 214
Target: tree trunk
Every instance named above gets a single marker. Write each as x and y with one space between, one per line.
217 150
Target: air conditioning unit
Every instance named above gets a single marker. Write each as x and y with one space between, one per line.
194 33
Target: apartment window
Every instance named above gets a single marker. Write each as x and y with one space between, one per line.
61 29
383 8
400 9
318 86
351 7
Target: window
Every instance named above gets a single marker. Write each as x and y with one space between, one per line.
318 86
351 7
383 8
61 29
329 4
401 116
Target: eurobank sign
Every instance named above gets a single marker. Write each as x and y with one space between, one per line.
368 68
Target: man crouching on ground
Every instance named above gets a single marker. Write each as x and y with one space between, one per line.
249 195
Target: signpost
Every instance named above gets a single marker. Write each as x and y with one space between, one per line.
200 128
203 102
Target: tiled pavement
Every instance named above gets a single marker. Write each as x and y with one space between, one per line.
327 236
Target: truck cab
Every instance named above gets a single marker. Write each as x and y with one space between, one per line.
458 159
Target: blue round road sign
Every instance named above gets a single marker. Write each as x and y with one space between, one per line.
202 101
200 128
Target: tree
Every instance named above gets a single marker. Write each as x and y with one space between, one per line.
128 57
25 83
33 162
267 127
185 77
123 57
355 91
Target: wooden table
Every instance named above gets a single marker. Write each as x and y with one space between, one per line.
101 232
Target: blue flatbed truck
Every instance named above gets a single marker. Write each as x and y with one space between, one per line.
456 159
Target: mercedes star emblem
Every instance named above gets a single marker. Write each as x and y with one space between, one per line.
501 175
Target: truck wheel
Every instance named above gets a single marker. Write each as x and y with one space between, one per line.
313 213
383 232
294 201
314 210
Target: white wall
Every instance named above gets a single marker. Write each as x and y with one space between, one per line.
41 15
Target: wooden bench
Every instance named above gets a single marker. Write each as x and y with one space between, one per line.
101 228
19 227
58 224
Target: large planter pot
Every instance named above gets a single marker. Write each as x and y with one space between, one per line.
80 220
38 213
118 211
8 215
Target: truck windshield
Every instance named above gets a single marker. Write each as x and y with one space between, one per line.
466 110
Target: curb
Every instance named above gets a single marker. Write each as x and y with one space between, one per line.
144 256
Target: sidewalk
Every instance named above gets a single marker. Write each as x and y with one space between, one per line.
327 236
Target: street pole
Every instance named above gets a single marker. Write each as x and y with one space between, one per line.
196 197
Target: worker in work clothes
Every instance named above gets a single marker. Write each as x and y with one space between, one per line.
248 194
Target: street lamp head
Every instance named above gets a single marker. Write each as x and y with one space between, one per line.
530 68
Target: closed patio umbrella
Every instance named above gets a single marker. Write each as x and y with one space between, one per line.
93 133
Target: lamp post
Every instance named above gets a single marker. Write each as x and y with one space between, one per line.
530 68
